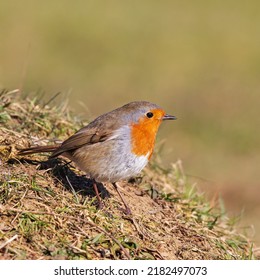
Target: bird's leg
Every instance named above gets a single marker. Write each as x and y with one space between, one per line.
100 202
127 210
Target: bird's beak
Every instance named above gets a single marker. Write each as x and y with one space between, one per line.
168 117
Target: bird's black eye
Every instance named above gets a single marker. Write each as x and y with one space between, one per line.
149 115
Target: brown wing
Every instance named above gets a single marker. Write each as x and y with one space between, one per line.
85 136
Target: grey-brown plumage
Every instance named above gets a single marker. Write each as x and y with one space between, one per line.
104 148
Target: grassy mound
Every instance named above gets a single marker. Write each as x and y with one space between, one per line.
48 208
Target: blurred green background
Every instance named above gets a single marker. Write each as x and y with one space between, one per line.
200 60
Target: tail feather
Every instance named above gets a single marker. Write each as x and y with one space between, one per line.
37 149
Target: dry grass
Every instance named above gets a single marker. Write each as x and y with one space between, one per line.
48 209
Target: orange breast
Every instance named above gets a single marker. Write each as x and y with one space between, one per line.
143 136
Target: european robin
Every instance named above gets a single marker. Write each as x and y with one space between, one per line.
115 146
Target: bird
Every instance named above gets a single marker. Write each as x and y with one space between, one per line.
113 147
